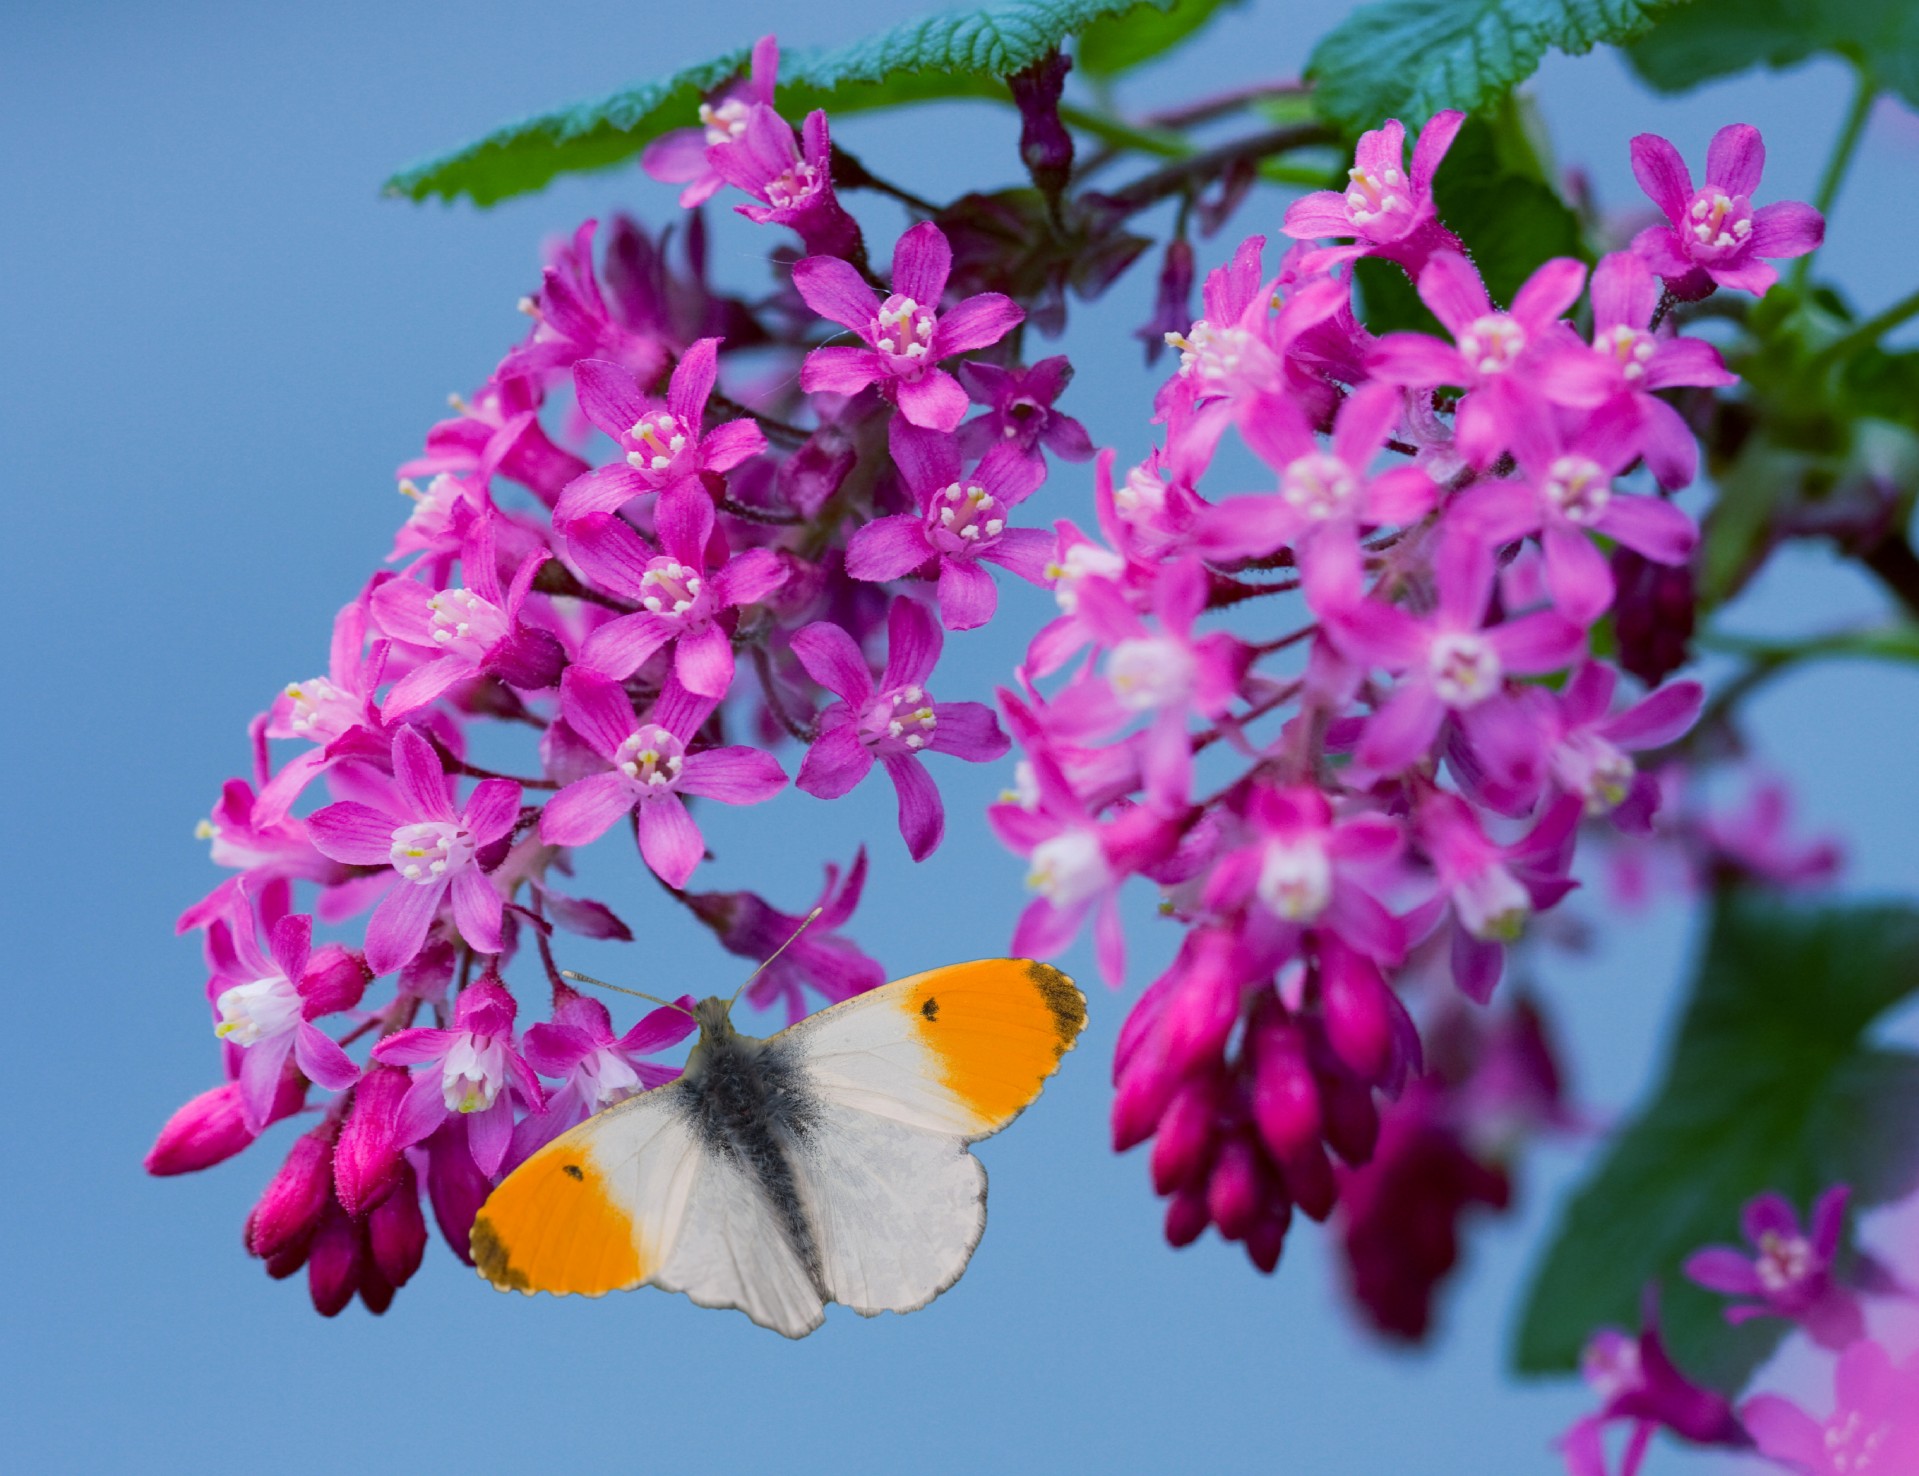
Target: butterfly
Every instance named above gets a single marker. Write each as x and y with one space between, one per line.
827 1163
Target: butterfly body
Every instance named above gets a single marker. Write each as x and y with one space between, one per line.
827 1163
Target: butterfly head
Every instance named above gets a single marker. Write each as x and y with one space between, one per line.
715 1018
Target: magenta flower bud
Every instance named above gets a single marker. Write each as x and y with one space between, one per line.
1236 1191
1355 1000
1173 300
1184 1146
1203 1006
1309 1179
1653 612
289 1260
289 1209
366 1160
212 1127
396 1232
1285 1097
1186 1217
334 981
455 1185
376 1292
1351 1119
1045 146
1267 1239
333 1267
1140 1098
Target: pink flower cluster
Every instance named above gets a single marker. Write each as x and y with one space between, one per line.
663 579
1401 777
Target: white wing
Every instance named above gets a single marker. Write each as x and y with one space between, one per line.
732 1252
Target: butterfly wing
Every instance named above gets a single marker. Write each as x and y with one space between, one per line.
905 1077
600 1208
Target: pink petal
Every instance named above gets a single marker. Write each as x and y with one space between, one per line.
488 1133
1787 228
704 662
1246 528
1667 443
598 709
1537 643
608 396
973 324
1786 1433
1026 552
477 909
684 521
618 648
1577 574
610 554
733 776
1829 1211
1373 633
727 445
922 816
928 459
676 157
832 659
411 1047
1044 930
1746 276
352 832
922 261
1624 291
1661 248
1768 1214
835 763
913 643
887 548
584 811
1686 361
1494 513
1402 495
422 1109
692 382
1735 159
1660 718
836 291
421 779
1401 732
1109 940
1322 214
1548 293
841 369
261 1066
1434 140
934 399
967 594
423 684
1476 964
603 490
320 1057
752 576
1650 526
1417 360
399 925
669 840
1364 422
1450 286
968 730
492 809
1721 1270
1663 175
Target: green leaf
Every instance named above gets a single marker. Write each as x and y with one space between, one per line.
1491 191
1118 44
1716 38
966 53
1409 59
1770 1086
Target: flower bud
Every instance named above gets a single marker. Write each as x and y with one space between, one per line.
1309 1179
1045 147
212 1128
1351 1119
1236 1189
1202 1008
1358 1013
366 1161
1172 302
1267 1238
289 1209
376 1292
334 981
455 1185
1141 1098
1285 1097
1184 1145
1186 1217
333 1267
1653 615
396 1232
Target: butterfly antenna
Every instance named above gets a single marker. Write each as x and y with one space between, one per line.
805 923
622 989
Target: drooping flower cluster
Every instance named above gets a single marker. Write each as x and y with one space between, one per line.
664 585
1400 776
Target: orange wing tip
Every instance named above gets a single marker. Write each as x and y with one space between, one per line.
997 1028
553 1227
1063 997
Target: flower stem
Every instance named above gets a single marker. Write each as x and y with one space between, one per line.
1150 189
1844 148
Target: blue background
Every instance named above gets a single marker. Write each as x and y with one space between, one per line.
219 342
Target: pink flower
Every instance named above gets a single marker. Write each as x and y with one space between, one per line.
1638 1383
1019 410
1322 492
667 449
895 722
1873 1429
682 156
596 1068
272 852
1169 671
794 185
1567 496
817 959
1389 212
1449 662
961 521
571 322
650 770
1488 347
432 848
267 1003
1590 745
1637 361
1715 238
686 602
473 1072
1754 840
466 633
907 335
498 430
1791 1273
336 713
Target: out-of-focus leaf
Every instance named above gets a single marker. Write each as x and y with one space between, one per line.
1716 38
1770 1085
1120 43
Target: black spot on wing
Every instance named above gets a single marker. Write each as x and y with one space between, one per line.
1063 998
490 1257
931 1008
572 1171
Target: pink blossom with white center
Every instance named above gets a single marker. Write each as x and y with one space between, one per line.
895 721
267 1000
1493 352
1449 662
906 335
1589 747
792 179
1566 497
681 156
473 1073
666 448
1322 493
432 848
1873 1429
496 431
1168 669
650 769
596 1068
571 322
1713 236
962 520
1789 1271
1386 207
272 852
685 602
